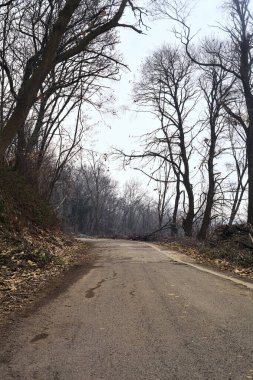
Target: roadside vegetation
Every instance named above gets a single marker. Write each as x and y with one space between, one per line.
34 250
229 249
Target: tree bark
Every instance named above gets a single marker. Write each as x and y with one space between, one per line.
250 171
177 199
211 184
188 221
209 205
20 164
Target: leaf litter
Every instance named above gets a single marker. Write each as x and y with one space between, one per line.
29 262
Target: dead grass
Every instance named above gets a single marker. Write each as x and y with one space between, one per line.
226 256
28 273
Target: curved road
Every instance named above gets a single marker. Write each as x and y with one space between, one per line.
139 314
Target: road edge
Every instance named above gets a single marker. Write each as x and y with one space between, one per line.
181 258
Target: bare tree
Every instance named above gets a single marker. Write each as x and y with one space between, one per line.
162 180
215 85
167 183
68 93
167 87
233 55
59 31
238 185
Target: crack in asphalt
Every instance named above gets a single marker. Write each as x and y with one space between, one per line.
90 293
39 337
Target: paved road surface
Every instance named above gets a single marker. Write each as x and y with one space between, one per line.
138 315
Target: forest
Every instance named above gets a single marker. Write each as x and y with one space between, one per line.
56 60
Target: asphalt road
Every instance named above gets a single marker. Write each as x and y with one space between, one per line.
137 315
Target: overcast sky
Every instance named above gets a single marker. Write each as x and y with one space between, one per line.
121 130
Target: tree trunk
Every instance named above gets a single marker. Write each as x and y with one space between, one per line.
245 71
188 221
207 214
211 185
20 164
177 199
30 87
250 171
238 199
249 149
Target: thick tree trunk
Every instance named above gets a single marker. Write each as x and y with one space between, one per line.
30 87
14 124
20 164
188 221
50 57
211 185
245 71
207 214
250 171
33 141
249 149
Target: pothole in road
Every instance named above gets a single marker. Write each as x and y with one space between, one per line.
90 293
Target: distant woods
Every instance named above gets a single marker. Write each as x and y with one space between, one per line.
56 60
90 201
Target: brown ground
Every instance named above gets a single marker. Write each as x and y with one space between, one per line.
31 276
34 254
220 257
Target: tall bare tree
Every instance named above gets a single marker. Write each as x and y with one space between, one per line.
233 54
167 87
49 33
215 85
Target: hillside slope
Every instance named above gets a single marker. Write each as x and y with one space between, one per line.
33 249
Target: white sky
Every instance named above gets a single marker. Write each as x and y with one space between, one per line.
135 48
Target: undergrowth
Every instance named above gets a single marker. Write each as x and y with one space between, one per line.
21 205
227 251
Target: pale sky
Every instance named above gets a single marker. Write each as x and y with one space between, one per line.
135 48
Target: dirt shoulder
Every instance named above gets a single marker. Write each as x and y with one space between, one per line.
28 280
228 258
